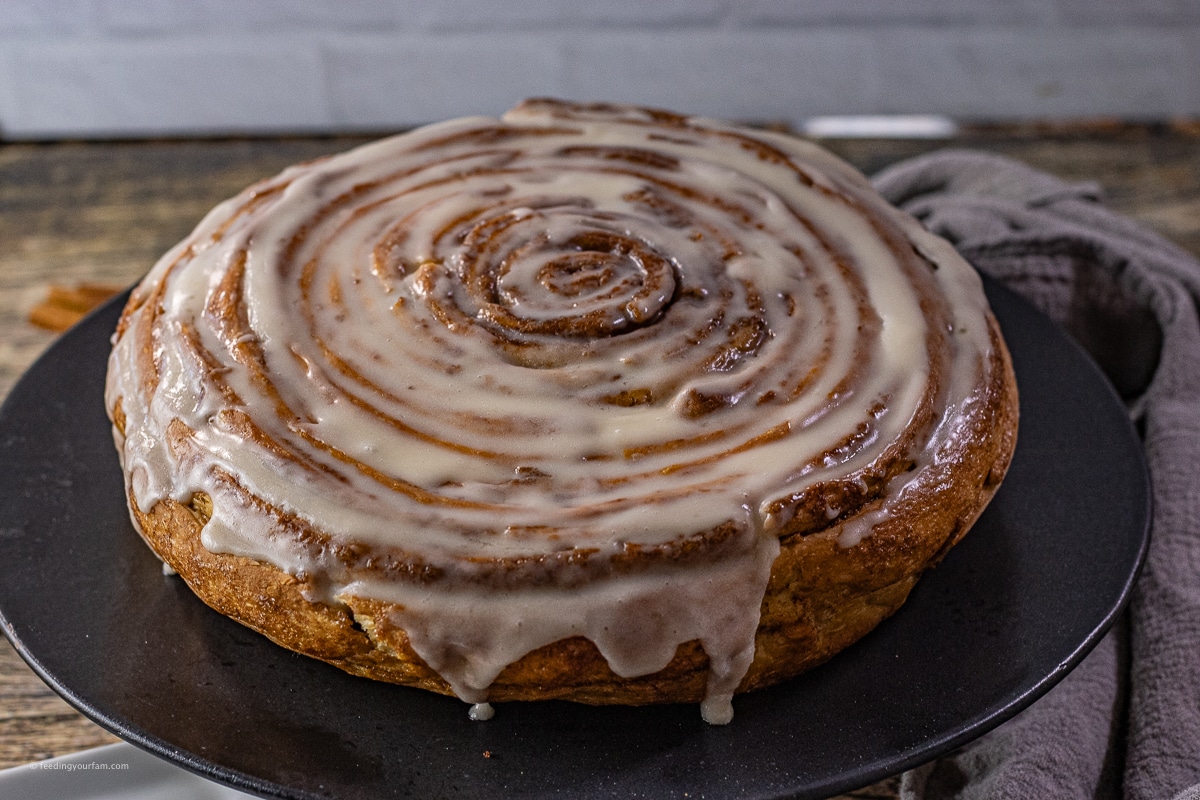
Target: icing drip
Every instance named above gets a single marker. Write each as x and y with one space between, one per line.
481 712
568 372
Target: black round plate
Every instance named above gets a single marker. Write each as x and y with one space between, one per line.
1005 616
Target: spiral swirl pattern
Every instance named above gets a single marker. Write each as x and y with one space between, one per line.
567 349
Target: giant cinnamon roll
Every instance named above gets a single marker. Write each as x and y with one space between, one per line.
586 402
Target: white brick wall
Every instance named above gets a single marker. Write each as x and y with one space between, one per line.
154 67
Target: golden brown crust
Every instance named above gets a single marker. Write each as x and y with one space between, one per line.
822 596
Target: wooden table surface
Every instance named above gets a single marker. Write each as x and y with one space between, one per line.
88 212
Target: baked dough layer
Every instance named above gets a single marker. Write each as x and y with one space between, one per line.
591 403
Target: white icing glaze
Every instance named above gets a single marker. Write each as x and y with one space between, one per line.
481 712
496 339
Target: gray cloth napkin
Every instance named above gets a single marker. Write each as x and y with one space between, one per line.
1126 722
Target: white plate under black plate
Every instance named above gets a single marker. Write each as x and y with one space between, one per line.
1005 616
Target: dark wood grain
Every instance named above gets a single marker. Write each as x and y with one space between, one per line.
74 213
